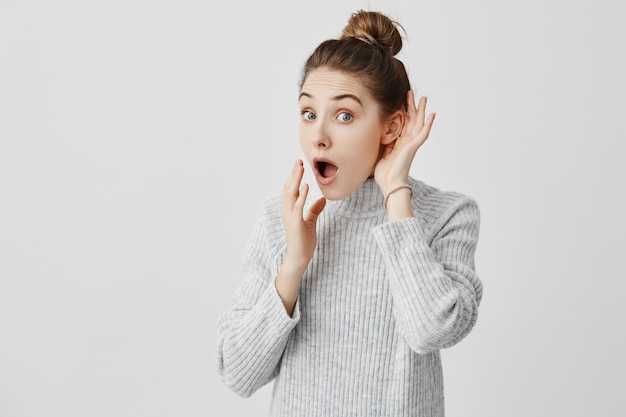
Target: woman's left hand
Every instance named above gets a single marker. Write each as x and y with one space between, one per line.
392 170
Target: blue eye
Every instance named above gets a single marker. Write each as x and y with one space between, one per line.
344 116
308 115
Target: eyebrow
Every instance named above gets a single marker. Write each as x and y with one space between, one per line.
336 98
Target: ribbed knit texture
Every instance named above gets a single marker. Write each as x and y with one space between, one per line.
377 302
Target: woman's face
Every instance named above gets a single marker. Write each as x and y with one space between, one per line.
340 131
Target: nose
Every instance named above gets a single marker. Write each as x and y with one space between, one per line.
321 138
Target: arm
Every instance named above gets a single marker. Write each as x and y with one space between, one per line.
252 335
435 289
301 236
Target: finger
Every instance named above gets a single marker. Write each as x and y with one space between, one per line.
426 129
428 124
421 111
292 184
298 206
293 176
315 210
410 102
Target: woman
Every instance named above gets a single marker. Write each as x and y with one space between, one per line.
346 304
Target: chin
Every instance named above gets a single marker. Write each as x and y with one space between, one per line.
334 193
333 196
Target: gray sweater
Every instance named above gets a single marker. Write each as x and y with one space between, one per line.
377 302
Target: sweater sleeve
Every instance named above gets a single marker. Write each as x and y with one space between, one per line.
436 291
253 334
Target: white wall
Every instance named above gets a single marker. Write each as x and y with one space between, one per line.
137 139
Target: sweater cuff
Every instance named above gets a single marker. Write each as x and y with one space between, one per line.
274 309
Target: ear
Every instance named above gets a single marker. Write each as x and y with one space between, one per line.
393 127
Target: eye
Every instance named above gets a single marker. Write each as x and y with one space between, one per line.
344 116
308 115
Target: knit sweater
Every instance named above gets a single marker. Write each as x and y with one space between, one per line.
377 302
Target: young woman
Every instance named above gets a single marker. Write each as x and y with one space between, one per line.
347 301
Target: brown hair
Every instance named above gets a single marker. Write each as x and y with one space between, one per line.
366 50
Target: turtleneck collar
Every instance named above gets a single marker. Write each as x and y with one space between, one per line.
366 201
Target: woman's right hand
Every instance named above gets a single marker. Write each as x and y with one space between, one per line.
301 237
300 230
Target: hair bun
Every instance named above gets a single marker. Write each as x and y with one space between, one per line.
375 29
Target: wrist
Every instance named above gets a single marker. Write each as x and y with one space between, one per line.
389 185
287 284
392 192
295 265
398 203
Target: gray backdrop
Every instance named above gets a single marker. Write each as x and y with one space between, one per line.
138 138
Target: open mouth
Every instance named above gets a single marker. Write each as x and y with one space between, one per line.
326 171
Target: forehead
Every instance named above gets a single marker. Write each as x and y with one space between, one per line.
324 83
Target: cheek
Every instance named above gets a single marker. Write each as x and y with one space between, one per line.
302 136
365 154
372 145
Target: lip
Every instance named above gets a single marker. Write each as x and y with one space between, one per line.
318 176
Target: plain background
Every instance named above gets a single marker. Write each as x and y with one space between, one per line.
138 139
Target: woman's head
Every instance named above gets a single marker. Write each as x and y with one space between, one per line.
353 102
366 51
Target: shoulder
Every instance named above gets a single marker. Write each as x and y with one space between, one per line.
435 206
269 225
272 204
